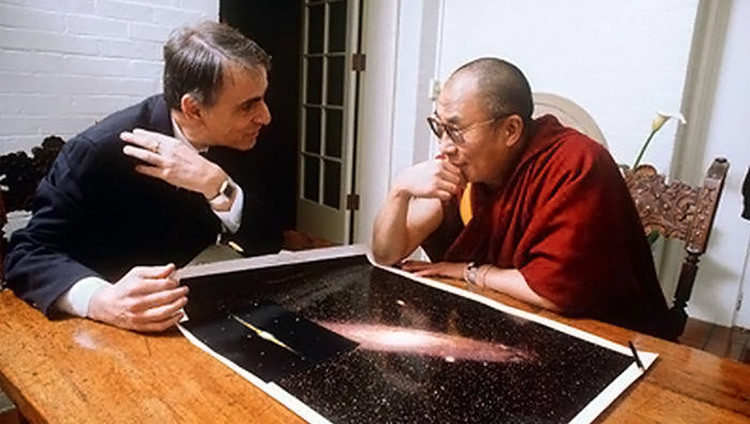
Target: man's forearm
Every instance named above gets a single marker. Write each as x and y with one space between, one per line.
75 301
511 282
390 237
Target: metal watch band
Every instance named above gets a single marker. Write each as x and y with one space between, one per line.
470 273
223 200
225 189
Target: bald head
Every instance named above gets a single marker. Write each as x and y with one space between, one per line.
502 87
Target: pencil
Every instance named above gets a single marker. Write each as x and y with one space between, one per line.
635 356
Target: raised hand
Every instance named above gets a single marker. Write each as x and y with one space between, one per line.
147 298
173 161
431 179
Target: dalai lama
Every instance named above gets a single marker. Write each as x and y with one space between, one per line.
526 207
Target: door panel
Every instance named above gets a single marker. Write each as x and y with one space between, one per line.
327 118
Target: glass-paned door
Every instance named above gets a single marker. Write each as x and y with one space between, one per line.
327 117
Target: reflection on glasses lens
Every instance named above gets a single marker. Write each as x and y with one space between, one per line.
436 127
439 128
455 135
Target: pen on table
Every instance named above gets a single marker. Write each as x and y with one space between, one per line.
635 356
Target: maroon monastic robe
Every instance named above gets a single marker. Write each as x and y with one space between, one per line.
566 221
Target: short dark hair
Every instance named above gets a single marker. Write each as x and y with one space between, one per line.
195 57
504 88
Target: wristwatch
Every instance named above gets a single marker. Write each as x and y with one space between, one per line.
223 199
470 273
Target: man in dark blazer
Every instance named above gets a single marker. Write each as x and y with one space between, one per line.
146 189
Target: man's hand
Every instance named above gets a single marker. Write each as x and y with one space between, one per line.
145 299
432 179
168 159
437 269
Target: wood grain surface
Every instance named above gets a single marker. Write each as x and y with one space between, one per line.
78 371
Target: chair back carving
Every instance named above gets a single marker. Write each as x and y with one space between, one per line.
21 175
680 211
3 220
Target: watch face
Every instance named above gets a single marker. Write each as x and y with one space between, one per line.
227 189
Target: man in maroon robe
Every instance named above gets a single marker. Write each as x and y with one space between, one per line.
552 222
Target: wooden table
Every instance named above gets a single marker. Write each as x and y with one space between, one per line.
79 371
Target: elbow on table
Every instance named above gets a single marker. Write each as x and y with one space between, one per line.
384 256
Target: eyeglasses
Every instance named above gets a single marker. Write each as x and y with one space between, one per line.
457 134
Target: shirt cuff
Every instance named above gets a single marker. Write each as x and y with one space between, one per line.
76 300
232 219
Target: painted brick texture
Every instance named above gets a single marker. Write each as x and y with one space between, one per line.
64 64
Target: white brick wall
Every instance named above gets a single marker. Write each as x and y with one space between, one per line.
66 63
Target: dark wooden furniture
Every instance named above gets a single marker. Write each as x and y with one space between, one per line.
80 371
681 211
3 242
297 240
22 174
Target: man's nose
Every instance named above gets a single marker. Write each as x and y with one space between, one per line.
264 115
447 146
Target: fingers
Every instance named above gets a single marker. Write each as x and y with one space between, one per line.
160 271
448 180
433 269
158 299
444 182
450 172
148 140
156 326
142 139
151 135
413 266
161 313
150 171
143 280
445 191
151 286
144 155
156 312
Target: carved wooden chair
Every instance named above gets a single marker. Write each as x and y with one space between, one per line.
3 220
680 211
21 174
569 113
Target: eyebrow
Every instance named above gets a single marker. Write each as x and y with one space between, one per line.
452 120
251 102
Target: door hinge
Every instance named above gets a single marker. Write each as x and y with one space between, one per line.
434 89
358 62
352 202
739 302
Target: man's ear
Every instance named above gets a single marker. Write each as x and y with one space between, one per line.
513 128
191 109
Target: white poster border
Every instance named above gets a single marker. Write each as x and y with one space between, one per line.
586 415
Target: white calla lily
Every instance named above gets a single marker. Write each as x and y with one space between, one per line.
663 117
659 121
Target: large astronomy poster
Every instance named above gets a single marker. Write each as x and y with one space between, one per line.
338 339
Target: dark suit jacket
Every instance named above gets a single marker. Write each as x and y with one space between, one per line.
95 216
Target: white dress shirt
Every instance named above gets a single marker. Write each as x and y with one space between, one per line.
76 300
